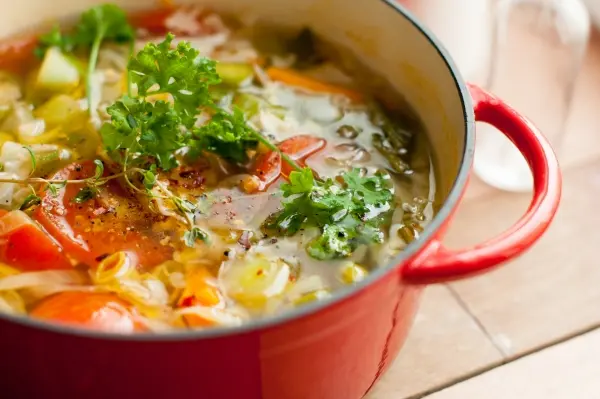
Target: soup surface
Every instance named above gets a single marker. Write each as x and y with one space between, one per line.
174 169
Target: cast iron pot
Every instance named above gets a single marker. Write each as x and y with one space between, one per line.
337 348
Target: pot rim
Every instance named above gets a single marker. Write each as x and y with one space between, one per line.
342 294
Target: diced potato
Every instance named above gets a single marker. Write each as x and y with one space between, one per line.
312 296
20 114
10 92
60 110
234 74
351 273
57 73
255 279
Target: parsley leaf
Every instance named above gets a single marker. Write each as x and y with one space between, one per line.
227 135
54 38
144 128
180 72
348 213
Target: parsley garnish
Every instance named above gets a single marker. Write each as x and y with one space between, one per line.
99 23
348 212
151 132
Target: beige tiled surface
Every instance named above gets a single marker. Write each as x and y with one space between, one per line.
445 343
549 294
565 371
554 289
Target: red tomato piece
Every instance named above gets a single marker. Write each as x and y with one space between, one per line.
267 169
110 222
97 311
24 245
151 20
299 148
16 51
269 166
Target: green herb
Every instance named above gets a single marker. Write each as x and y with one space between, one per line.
85 194
30 201
150 130
227 135
149 177
33 160
99 169
194 234
54 187
348 213
156 130
180 72
99 23
54 38
103 22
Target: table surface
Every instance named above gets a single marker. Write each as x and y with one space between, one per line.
531 329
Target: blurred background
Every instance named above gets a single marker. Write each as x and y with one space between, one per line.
530 329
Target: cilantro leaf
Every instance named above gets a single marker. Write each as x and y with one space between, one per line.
180 72
105 21
102 22
348 213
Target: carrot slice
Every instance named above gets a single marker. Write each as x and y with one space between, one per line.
294 78
96 311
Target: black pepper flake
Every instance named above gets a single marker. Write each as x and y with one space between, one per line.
102 257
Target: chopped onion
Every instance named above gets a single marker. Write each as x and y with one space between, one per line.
184 21
47 277
11 303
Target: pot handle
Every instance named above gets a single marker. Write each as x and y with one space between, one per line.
439 264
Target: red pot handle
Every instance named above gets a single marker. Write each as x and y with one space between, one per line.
439 264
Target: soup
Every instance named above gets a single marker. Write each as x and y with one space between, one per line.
176 169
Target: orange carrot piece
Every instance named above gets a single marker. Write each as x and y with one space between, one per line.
294 78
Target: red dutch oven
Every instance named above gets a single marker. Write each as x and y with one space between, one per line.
336 348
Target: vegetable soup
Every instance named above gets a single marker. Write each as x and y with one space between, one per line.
177 169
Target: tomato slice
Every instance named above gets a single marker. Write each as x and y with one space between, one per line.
152 20
97 311
24 245
299 148
269 166
112 221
